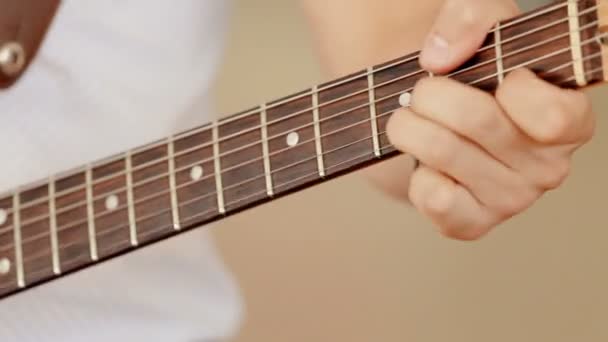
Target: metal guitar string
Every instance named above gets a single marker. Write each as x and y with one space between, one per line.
153 162
286 117
45 253
150 179
44 271
241 183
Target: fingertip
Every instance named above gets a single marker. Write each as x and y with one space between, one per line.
521 73
440 55
441 200
435 56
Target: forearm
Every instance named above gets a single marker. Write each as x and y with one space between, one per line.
353 34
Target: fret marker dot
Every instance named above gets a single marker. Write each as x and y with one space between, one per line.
197 173
112 202
292 139
405 99
5 266
3 216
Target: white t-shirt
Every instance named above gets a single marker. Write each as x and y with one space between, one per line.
112 75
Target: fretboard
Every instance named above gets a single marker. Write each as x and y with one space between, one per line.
110 207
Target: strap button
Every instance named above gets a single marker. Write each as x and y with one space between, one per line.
12 58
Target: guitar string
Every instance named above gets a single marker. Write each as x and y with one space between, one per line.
159 213
286 117
190 133
150 179
182 204
167 227
9 228
36 272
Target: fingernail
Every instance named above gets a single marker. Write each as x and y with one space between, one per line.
435 51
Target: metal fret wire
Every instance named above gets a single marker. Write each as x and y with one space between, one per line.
162 212
257 111
367 154
276 136
153 178
591 72
241 183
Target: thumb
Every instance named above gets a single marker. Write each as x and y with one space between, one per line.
459 31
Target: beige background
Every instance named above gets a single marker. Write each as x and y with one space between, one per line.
339 262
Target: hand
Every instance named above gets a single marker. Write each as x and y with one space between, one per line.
484 158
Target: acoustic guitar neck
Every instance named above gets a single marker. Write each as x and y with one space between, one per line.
111 207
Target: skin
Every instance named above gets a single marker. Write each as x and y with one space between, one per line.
483 158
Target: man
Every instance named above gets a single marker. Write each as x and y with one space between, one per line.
106 67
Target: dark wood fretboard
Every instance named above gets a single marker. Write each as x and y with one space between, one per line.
80 218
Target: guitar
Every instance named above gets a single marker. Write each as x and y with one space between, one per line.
108 208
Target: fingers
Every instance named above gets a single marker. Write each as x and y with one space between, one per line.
490 181
548 114
473 114
459 31
450 206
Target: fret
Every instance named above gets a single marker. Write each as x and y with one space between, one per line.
372 111
8 273
111 215
130 201
267 172
152 194
53 227
18 240
195 177
317 128
345 124
91 215
575 43
172 185
540 44
481 69
217 166
500 71
393 79
242 162
36 234
72 212
590 16
293 143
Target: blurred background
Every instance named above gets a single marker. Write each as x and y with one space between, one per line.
340 262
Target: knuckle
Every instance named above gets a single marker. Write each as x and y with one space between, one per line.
441 149
515 202
481 121
556 175
440 202
558 121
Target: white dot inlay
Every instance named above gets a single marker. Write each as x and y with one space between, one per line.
5 266
405 99
292 139
3 216
197 172
112 202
